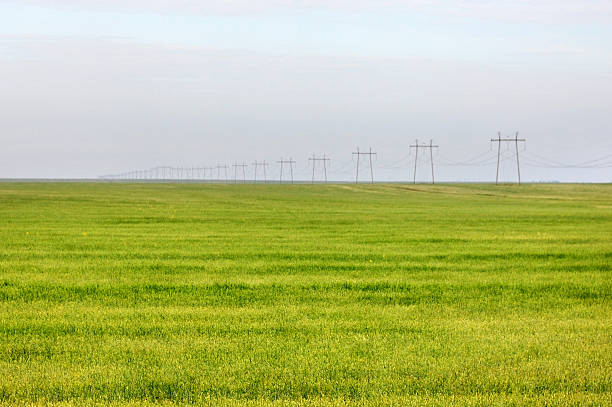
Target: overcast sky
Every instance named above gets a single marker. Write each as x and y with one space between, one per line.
92 87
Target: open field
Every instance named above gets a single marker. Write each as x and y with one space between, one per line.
316 295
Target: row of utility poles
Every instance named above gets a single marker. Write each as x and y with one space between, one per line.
200 173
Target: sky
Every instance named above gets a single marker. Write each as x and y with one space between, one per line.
92 87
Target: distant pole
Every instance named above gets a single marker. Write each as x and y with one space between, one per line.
518 165
325 167
219 166
263 164
371 169
290 162
359 154
314 159
243 166
516 140
357 174
498 156
430 146
416 157
433 181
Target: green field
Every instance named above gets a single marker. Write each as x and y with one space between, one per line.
315 295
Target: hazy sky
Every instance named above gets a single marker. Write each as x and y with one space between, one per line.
92 87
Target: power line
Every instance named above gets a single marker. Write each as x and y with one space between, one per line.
474 161
394 165
540 161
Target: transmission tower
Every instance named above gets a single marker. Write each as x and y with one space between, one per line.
314 160
219 167
209 169
290 162
243 166
263 164
369 154
516 140
162 174
430 146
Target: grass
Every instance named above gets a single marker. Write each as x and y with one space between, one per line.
314 295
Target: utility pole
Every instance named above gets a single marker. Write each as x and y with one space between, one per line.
516 140
225 167
314 160
263 164
243 166
430 146
211 169
369 154
290 162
